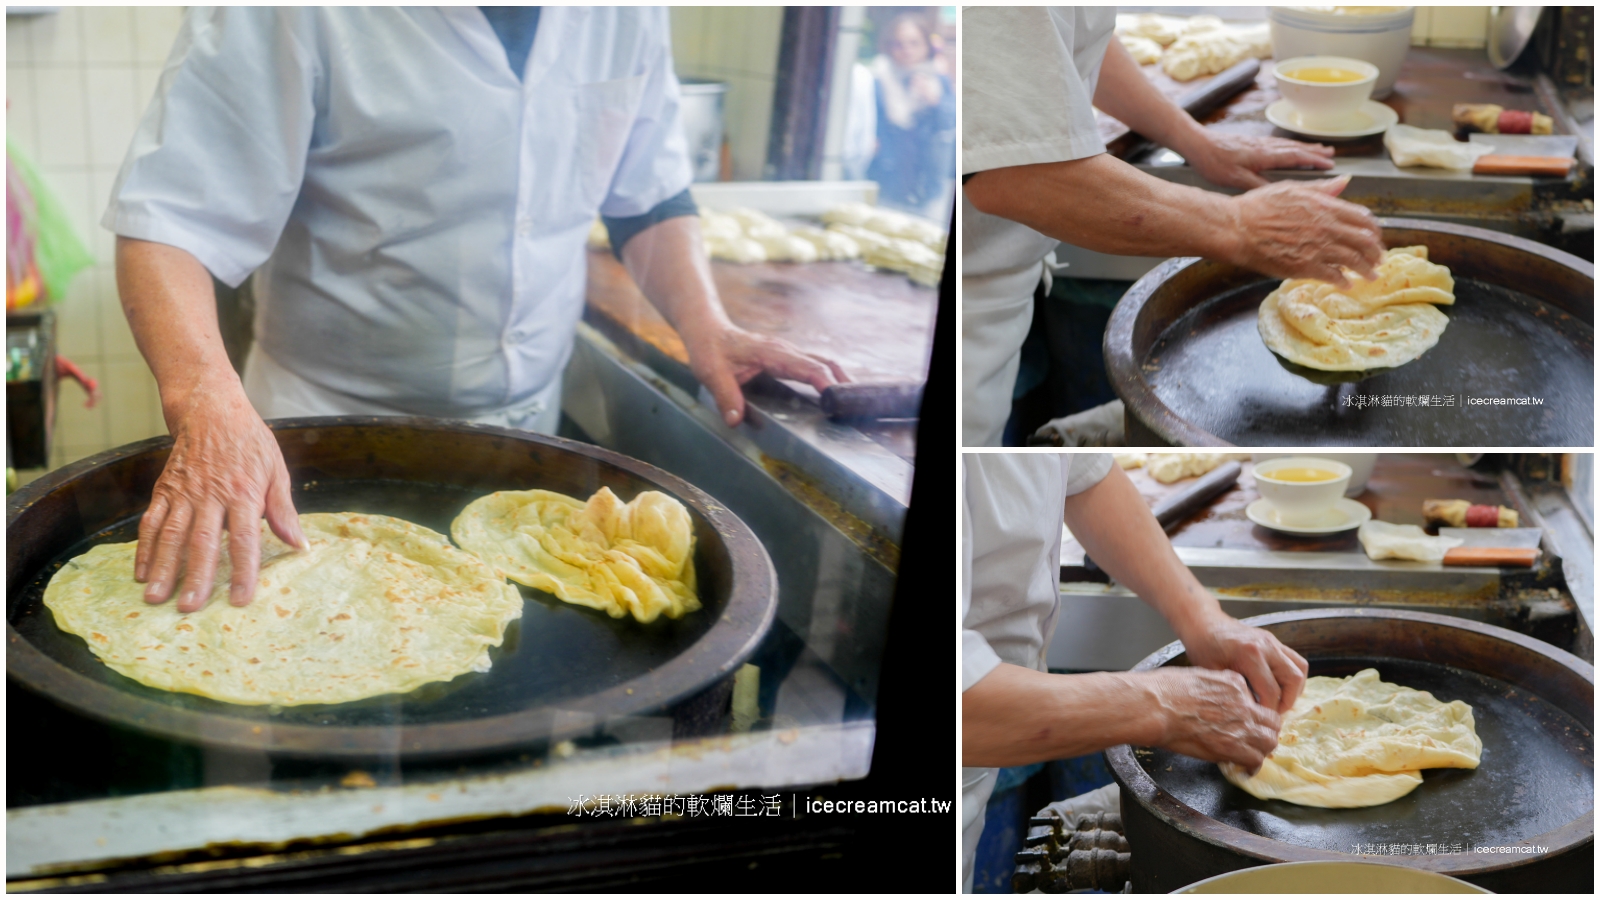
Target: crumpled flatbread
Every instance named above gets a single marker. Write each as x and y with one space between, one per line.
1361 741
1385 540
623 559
1388 321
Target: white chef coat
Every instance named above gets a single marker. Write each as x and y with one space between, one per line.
1012 506
1028 81
416 214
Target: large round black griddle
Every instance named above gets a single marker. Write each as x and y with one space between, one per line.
1185 356
561 671
1532 705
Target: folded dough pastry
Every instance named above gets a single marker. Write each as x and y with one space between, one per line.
375 605
1360 741
1388 321
635 558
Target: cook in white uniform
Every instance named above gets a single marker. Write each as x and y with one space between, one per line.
1036 173
1013 712
413 188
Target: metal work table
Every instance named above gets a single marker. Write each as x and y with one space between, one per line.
1254 571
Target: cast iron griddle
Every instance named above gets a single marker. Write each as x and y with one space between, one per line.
1211 368
562 669
1184 354
1536 775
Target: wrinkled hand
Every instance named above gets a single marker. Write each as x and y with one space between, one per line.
1233 160
725 357
1276 673
225 472
1210 715
1293 229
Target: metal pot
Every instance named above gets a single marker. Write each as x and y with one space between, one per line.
700 107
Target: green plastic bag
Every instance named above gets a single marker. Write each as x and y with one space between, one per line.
57 252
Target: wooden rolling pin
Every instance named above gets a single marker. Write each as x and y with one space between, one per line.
873 400
1501 164
1522 557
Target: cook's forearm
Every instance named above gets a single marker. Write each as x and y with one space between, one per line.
1121 535
1124 93
171 307
669 264
1016 716
1102 203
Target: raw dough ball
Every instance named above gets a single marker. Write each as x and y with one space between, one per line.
786 248
830 245
719 225
1143 50
736 249
1210 52
849 214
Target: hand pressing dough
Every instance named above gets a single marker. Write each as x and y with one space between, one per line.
1360 741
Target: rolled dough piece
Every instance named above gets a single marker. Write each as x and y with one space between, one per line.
375 605
1360 741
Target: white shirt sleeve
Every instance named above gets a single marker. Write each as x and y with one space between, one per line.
655 164
1028 79
978 659
1081 471
216 164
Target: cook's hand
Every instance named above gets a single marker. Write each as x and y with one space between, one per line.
1276 673
225 472
1233 160
1210 715
1298 229
728 356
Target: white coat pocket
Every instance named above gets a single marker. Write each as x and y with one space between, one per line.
606 112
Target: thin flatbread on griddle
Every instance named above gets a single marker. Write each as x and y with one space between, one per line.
1388 321
635 558
375 605
1361 741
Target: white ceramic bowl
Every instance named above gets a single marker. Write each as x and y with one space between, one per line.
1325 104
1380 38
1301 502
1360 464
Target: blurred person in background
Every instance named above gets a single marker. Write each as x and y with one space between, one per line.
915 163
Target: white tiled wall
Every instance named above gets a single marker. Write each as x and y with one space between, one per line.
1450 26
77 82
739 45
